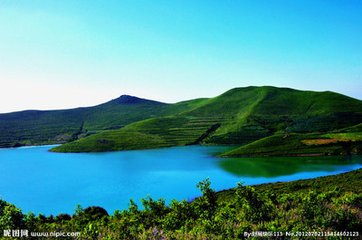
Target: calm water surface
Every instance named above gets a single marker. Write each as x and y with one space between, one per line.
51 183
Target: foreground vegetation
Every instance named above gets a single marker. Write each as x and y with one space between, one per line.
332 203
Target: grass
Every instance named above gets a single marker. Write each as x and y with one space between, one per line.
355 128
242 116
113 141
151 133
60 126
348 136
301 145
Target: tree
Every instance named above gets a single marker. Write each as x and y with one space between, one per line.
11 217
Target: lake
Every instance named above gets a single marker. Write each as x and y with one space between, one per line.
51 183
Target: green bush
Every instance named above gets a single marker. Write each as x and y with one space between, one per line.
324 204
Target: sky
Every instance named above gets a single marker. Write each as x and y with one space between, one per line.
65 54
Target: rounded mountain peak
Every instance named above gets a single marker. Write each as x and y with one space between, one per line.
127 99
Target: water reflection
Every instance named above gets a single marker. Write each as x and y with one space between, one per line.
280 166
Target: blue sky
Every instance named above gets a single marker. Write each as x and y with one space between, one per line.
61 54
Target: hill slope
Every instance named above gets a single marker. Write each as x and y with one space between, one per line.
46 127
310 144
239 116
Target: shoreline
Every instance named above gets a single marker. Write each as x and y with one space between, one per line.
271 186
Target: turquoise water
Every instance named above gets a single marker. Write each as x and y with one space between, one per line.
51 183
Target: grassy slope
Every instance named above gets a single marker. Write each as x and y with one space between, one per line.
243 116
150 133
122 111
39 127
43 127
303 144
191 121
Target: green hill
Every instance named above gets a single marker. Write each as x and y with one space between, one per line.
59 126
237 117
301 145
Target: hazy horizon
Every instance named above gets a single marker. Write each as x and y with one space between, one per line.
132 95
66 54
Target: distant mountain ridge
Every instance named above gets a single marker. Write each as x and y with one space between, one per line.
33 127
